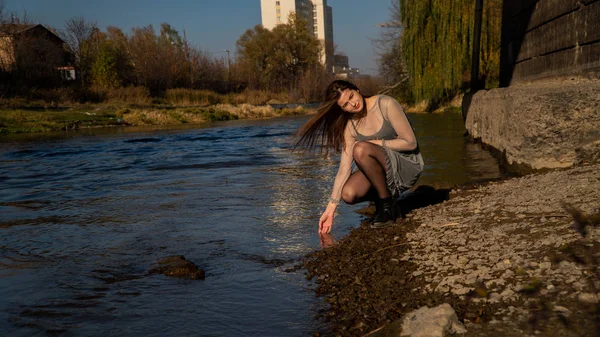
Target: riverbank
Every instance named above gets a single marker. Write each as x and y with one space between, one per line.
47 119
507 256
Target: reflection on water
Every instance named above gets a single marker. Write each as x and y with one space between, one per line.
449 159
83 216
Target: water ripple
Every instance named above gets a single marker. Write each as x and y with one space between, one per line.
84 217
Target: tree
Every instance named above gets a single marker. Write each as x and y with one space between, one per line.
119 50
296 50
78 34
104 72
255 50
277 59
434 39
160 61
171 50
392 68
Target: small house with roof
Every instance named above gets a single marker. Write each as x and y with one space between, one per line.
34 48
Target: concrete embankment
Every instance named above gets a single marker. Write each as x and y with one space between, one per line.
540 125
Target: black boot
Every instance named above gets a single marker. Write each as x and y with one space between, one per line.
385 212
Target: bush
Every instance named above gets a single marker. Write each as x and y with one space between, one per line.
129 95
258 97
213 115
192 97
122 112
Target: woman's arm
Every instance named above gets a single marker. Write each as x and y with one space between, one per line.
341 177
345 166
406 140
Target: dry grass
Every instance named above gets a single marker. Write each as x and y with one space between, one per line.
191 97
258 97
134 106
26 121
129 95
163 117
138 96
248 111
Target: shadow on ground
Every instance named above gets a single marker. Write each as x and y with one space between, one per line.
422 196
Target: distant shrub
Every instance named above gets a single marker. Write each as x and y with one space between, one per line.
259 97
129 95
293 111
192 97
213 115
55 96
121 112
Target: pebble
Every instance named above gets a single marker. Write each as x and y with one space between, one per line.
494 298
509 234
562 310
587 298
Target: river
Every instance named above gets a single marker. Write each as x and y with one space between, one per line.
84 215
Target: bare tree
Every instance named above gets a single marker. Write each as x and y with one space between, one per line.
392 69
78 34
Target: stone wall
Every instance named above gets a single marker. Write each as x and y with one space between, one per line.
547 115
539 125
549 38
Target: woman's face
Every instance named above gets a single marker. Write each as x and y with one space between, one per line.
351 101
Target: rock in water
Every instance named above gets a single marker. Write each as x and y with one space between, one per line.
178 266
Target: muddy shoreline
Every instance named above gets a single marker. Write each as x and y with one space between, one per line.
506 255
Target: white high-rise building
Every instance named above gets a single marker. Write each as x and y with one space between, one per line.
316 12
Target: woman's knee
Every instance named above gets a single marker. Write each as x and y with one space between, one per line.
360 150
349 196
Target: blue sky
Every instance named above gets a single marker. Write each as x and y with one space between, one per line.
212 25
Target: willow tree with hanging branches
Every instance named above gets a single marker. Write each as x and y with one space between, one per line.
437 41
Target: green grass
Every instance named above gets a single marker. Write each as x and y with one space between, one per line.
45 120
48 119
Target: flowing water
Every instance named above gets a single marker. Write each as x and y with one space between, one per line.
84 216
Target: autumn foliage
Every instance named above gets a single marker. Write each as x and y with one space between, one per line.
159 62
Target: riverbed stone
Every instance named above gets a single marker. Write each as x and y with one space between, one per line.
178 266
432 322
504 253
588 298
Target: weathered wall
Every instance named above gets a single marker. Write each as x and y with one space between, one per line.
547 115
6 53
549 38
541 125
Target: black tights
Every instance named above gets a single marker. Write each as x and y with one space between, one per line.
369 183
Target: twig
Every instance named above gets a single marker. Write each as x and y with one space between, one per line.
374 331
388 88
534 215
450 224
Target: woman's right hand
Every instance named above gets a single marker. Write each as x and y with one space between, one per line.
326 220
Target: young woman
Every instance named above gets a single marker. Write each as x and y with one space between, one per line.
375 133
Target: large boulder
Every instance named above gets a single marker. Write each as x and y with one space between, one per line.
178 266
440 321
432 322
540 125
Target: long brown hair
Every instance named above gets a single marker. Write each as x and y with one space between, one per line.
326 128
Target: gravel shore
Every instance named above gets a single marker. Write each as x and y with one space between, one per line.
511 257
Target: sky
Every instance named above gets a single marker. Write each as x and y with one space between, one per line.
212 25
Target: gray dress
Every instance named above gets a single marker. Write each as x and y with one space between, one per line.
403 168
